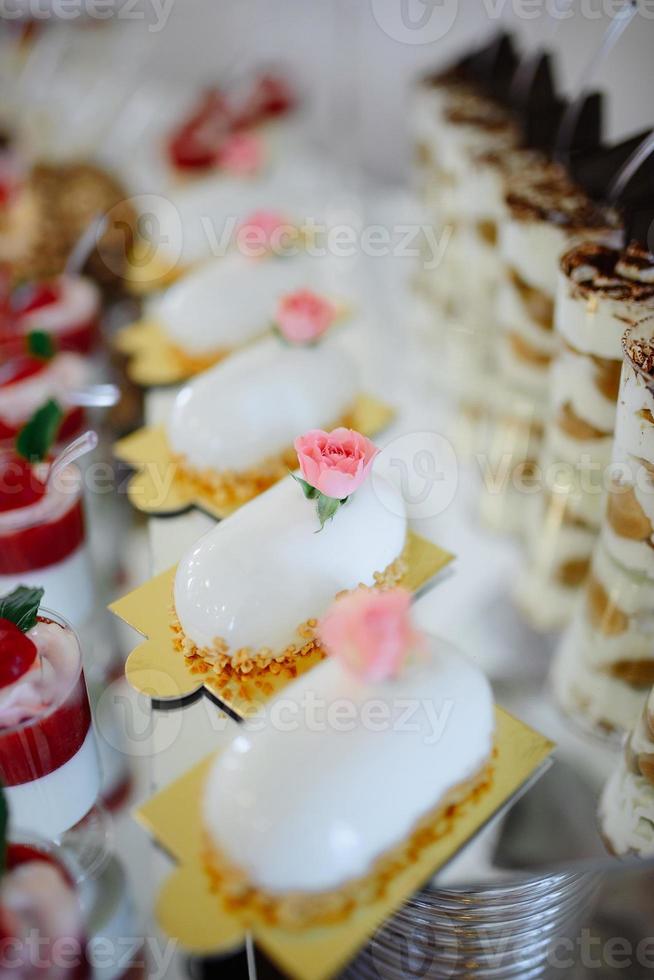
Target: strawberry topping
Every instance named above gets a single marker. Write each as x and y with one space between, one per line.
17 653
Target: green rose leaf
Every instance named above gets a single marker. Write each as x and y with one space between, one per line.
309 492
21 606
327 507
37 436
41 345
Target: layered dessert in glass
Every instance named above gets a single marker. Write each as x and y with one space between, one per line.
66 307
600 290
43 535
48 757
42 931
27 382
546 212
605 663
626 810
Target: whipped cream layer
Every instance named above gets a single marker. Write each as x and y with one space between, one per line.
48 682
473 125
516 316
60 376
78 302
601 289
227 302
634 428
260 574
252 405
308 807
594 699
626 813
628 528
587 385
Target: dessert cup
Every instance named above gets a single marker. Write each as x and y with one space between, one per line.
27 383
43 537
626 809
605 664
545 212
599 290
41 915
66 307
48 757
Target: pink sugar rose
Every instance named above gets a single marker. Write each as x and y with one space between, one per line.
370 632
241 154
304 316
335 463
264 231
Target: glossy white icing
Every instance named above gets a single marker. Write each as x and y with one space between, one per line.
252 405
311 804
230 301
255 577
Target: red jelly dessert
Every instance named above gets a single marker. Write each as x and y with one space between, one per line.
27 382
67 307
196 144
42 535
41 924
48 755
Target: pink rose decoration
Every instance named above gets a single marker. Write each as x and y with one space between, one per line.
264 231
241 154
303 316
370 632
335 463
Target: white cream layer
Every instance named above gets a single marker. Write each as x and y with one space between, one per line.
514 315
69 585
308 806
633 595
19 401
230 301
634 430
593 324
533 249
78 303
626 813
574 380
253 405
255 577
54 803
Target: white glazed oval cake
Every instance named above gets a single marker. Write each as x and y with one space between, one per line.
232 427
303 820
250 591
229 302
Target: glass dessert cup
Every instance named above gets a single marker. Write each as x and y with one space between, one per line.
27 382
605 664
67 307
42 922
48 759
43 537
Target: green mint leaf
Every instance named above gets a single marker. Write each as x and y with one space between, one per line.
37 436
309 492
4 821
21 606
41 344
327 507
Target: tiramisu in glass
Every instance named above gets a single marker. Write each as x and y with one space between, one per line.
626 810
600 290
545 212
43 536
48 758
605 663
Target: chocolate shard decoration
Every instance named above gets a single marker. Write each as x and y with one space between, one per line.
596 170
533 87
581 128
639 224
495 66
